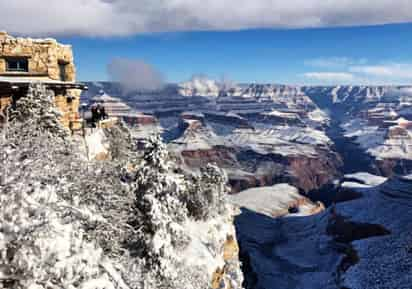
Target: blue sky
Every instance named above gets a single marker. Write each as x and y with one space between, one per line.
375 54
293 41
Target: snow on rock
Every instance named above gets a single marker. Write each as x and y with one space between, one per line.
204 235
281 114
163 229
280 140
357 244
319 115
377 141
199 86
274 201
384 262
366 178
202 139
235 143
96 144
377 118
53 248
285 252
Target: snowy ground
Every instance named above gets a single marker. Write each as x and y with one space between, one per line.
273 201
283 140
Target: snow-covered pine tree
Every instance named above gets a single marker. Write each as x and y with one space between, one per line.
158 210
35 139
167 204
37 110
206 193
46 219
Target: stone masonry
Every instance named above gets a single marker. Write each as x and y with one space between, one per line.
49 62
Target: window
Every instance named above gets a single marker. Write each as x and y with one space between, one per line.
17 64
62 71
69 99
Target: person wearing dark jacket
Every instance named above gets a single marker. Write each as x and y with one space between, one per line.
95 114
103 114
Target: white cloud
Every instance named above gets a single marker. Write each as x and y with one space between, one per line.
334 62
391 71
352 71
126 17
330 77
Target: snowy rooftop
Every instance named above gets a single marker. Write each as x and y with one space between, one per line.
26 80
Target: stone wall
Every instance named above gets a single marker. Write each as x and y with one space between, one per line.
44 56
44 59
4 102
68 103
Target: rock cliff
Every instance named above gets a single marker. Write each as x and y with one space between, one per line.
359 243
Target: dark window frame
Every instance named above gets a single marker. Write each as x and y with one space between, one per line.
20 64
63 70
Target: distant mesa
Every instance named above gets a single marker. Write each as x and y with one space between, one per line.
117 109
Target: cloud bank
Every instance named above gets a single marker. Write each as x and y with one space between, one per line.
391 70
128 17
135 75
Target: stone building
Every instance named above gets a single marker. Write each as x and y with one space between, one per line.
25 60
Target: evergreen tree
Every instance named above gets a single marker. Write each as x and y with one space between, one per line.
206 193
37 112
158 209
49 218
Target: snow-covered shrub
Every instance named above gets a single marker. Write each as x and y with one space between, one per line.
98 186
206 194
120 141
42 246
44 237
45 218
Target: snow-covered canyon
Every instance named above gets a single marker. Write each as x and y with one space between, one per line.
278 142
